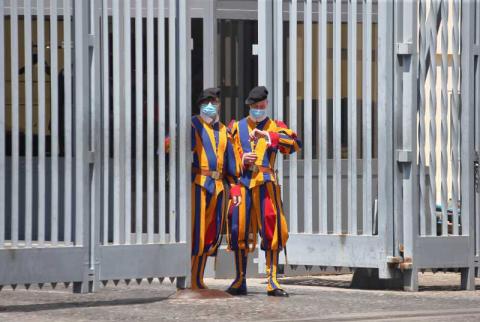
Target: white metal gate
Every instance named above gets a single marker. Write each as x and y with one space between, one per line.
44 216
344 177
83 197
372 186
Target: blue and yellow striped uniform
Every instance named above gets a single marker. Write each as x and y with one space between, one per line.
261 208
213 152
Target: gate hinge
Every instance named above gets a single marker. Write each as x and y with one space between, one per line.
91 40
403 156
476 171
91 157
404 48
476 50
400 262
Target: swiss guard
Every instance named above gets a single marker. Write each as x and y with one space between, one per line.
214 167
258 139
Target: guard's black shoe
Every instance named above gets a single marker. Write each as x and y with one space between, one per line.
278 292
236 291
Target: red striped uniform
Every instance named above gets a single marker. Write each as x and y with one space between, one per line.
261 208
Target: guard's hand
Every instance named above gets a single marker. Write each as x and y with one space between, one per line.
237 200
249 158
257 134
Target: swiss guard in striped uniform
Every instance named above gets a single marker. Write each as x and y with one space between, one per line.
214 163
258 139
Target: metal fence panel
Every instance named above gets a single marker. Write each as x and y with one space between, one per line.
142 204
88 116
32 210
330 174
364 199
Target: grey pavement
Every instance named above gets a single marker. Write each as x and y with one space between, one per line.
315 298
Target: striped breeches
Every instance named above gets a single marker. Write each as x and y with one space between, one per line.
260 212
208 213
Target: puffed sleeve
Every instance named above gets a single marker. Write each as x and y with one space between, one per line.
284 139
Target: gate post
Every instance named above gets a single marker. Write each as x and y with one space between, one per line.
184 155
82 137
405 115
385 141
468 138
265 45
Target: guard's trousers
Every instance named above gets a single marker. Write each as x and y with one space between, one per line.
208 214
260 212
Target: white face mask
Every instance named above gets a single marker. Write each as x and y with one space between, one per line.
258 114
210 110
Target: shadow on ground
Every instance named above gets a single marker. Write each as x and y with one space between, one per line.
345 283
79 304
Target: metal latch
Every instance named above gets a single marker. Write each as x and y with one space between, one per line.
404 156
91 157
476 171
404 48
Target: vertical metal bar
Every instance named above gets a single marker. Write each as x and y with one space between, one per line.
468 143
184 122
421 113
385 127
150 123
2 125
128 119
455 114
67 39
96 136
367 117
477 118
83 100
15 120
292 99
28 124
210 44
352 117
444 121
54 119
184 133
407 104
172 45
81 108
278 75
307 115
118 197
139 121
337 125
322 115
432 26
162 124
41 121
106 119
265 45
